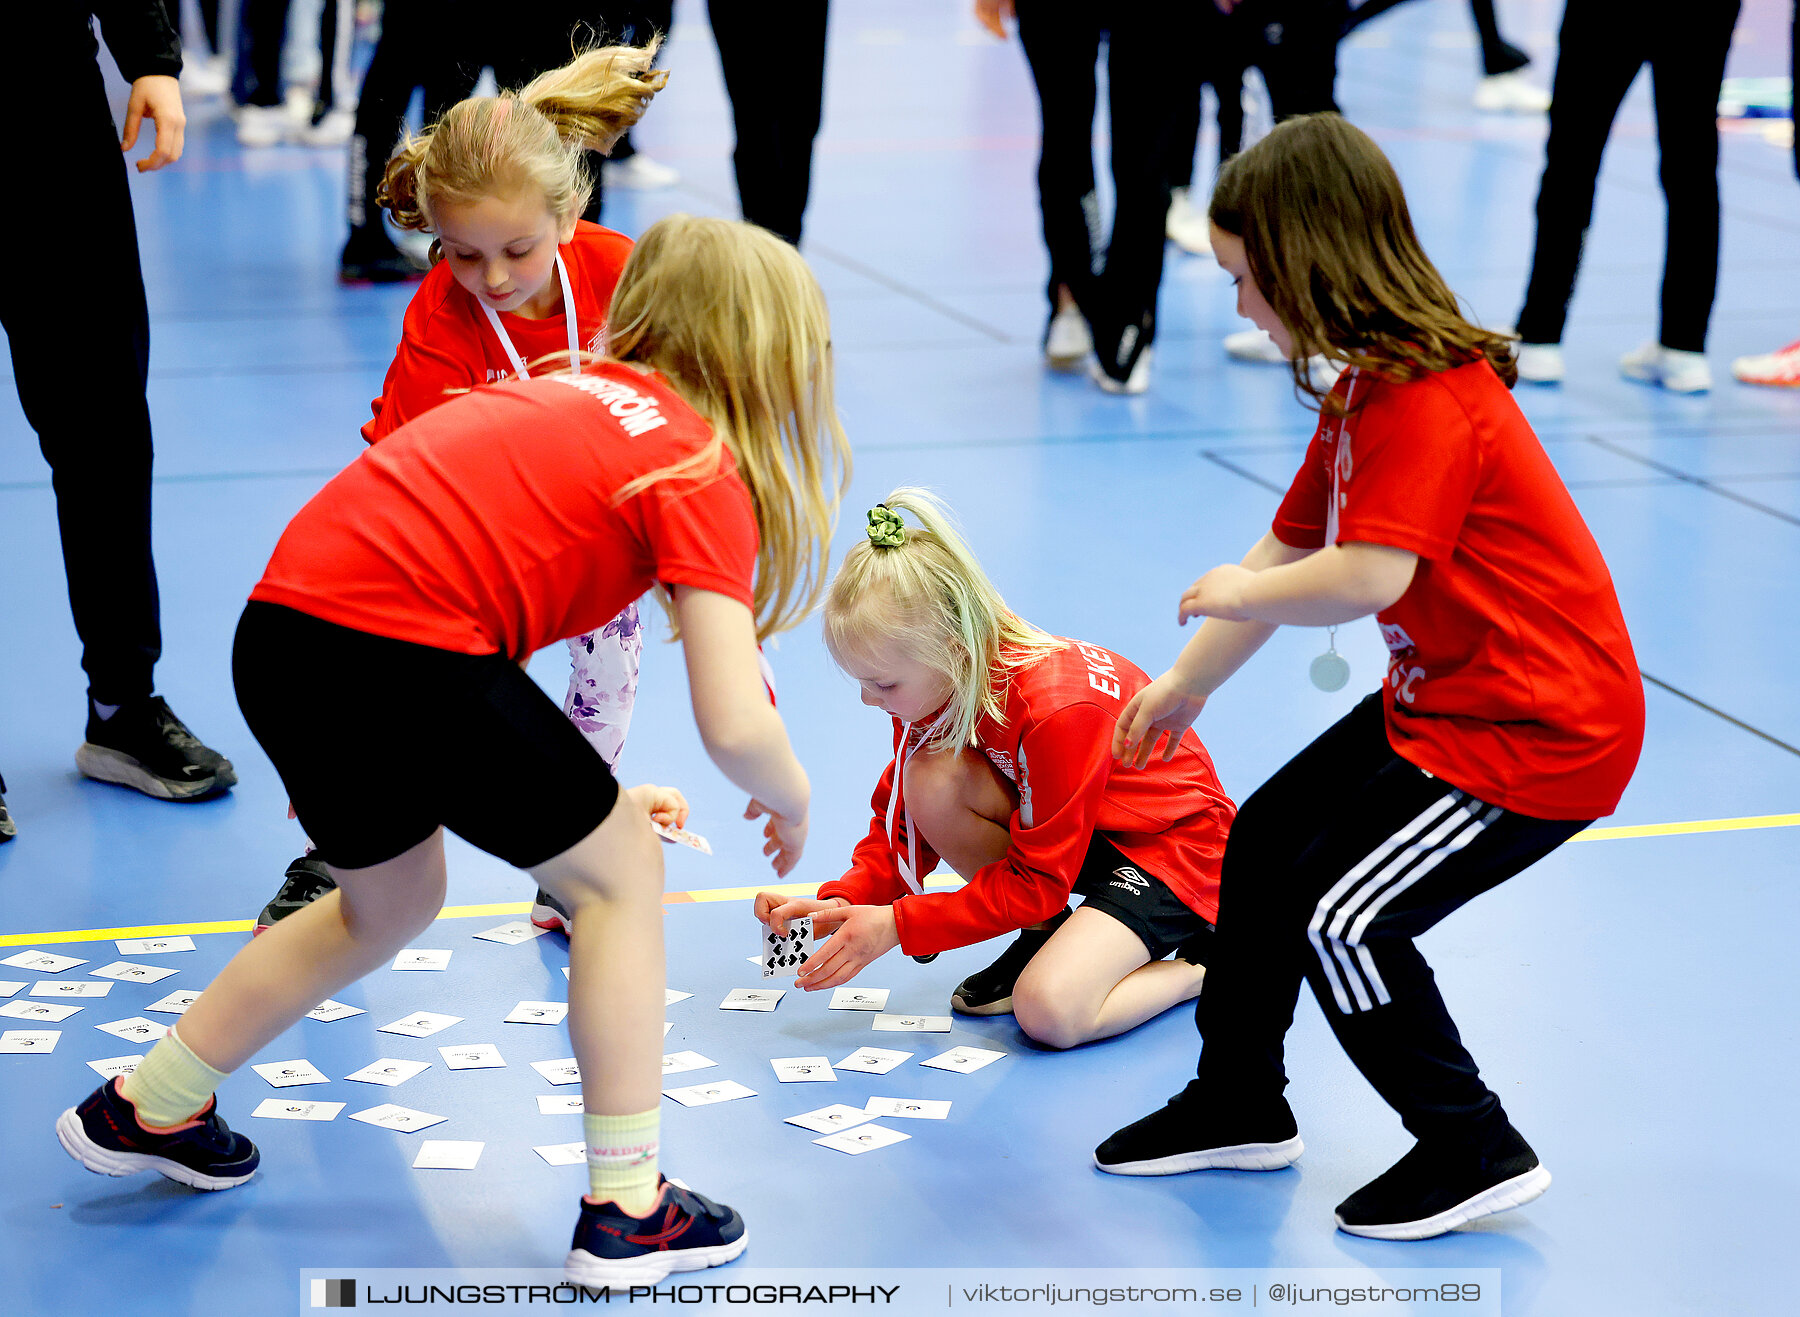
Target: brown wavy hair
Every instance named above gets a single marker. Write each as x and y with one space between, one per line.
533 137
1330 242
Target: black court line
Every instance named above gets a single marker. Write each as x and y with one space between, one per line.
198 478
1688 478
1237 470
1717 712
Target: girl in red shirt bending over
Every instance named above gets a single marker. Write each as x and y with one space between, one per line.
519 284
1511 715
1003 769
401 601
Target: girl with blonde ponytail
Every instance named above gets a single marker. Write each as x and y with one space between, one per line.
1003 770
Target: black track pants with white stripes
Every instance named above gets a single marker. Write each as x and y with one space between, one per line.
1332 868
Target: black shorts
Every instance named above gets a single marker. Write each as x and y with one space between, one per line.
381 742
1142 902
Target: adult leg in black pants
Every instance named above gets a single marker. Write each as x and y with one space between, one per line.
1335 865
775 76
1294 43
1603 44
93 425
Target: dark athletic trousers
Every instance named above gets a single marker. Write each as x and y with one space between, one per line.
1603 44
1333 867
81 354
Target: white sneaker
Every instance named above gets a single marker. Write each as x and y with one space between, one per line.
1186 226
1509 93
207 76
1254 345
334 129
639 173
1540 363
1678 372
1067 342
1137 382
263 125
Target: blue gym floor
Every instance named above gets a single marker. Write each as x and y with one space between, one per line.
1625 997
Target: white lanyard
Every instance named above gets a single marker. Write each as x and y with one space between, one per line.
512 353
1340 464
909 863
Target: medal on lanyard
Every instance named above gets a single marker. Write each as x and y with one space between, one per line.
512 353
1331 670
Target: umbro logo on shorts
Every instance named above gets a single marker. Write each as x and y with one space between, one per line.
1133 881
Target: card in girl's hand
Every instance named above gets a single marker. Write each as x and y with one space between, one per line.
786 954
681 837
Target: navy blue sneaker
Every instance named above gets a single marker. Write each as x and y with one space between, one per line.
103 1134
685 1231
547 912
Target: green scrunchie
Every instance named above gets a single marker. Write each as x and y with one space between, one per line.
886 530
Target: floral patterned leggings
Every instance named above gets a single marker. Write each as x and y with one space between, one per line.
603 682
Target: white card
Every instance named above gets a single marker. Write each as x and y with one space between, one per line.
559 1104
563 1154
472 1056
290 1074
667 1025
671 996
448 1155
681 837
859 999
329 1010
564 1071
785 954
827 1119
886 1023
43 962
136 1029
963 1059
127 972
404 1119
29 1040
873 1060
389 1071
51 1012
520 930
538 1012
910 1108
176 1003
282 1109
803 1069
70 989
420 1024
676 1062
704 1095
113 1066
864 1138
752 999
9 986
418 958
152 946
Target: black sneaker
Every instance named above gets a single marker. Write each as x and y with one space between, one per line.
146 747
375 260
547 912
305 881
103 1134
685 1231
1190 1135
989 991
1435 1189
8 829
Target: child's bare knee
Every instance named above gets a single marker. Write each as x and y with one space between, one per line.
1047 1021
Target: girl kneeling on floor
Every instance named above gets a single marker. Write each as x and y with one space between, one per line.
1003 769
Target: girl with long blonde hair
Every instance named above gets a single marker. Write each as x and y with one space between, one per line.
703 454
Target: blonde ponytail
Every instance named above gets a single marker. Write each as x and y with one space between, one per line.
923 590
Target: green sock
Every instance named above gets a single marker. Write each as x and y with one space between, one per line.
621 1158
171 1085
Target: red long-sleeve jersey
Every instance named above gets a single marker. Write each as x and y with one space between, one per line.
1053 741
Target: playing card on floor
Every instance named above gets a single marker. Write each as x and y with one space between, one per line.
176 1003
803 1069
785 954
827 1119
289 1074
702 1095
42 962
404 1119
282 1109
112 1067
9 986
538 1012
29 1040
873 1060
910 1108
448 1155
671 996
65 990
563 1154
136 1029
886 1023
420 1024
864 1138
859 999
752 999
520 930
963 1059
555 1104
676 1062
50 1012
472 1056
389 1071
329 1010
151 946
126 972
418 958
564 1071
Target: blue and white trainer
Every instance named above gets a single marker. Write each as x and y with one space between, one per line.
104 1135
685 1231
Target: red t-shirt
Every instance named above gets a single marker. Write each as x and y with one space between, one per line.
1510 672
448 344
1054 743
490 524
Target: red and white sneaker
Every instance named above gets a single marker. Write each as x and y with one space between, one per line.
685 1231
547 912
1775 370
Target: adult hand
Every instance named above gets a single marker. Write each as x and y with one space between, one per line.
859 933
775 908
783 838
157 97
1162 709
992 14
1220 594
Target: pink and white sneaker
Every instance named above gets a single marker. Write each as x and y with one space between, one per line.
1775 370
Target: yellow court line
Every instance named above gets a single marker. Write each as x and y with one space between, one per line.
708 894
